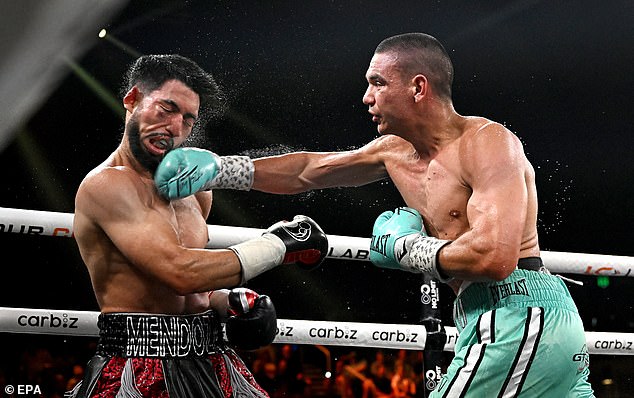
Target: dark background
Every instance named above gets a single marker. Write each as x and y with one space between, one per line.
558 74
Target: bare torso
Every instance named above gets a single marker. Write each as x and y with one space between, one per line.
476 188
119 285
438 190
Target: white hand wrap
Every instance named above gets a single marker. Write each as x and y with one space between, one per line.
236 172
259 255
419 253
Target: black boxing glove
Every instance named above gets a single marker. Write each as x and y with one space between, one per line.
300 242
305 241
252 321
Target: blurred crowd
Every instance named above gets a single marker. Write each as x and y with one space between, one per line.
292 371
55 364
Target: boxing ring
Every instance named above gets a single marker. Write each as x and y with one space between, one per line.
373 335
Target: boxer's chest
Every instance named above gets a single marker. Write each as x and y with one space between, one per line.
437 191
188 222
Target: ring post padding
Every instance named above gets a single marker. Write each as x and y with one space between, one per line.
431 318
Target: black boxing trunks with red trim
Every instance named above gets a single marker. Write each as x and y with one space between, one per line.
160 356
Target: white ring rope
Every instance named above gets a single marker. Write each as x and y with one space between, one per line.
48 223
376 335
395 336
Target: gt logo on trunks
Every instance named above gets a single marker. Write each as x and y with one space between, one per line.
504 290
583 358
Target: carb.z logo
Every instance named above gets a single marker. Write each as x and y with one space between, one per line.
395 336
284 330
613 345
48 321
334 333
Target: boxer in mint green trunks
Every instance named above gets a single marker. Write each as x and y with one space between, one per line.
506 346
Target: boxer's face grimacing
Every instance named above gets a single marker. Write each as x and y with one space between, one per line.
163 120
147 159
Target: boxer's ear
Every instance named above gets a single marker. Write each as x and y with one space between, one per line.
132 98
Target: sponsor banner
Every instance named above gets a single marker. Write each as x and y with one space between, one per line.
34 222
41 321
452 337
608 343
351 334
379 335
588 264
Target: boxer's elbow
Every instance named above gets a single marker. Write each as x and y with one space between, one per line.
181 277
182 286
500 270
182 283
495 261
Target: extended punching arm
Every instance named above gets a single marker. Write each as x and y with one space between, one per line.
185 171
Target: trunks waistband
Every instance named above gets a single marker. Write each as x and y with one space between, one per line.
131 335
530 263
523 288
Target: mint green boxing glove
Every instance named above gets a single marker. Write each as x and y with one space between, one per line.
185 171
399 241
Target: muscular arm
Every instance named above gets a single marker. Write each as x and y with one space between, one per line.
494 167
303 171
142 231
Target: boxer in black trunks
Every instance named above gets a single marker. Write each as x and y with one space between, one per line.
159 291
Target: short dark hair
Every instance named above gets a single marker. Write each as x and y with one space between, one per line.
149 72
424 54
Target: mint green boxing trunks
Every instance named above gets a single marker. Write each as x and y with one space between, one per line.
519 337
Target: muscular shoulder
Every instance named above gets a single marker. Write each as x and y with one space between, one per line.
390 142
489 144
104 187
484 132
388 146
